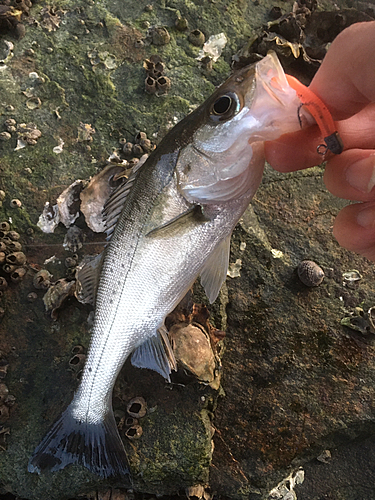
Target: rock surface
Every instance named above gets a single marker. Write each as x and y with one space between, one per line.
296 380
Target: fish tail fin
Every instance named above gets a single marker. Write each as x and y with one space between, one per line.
96 446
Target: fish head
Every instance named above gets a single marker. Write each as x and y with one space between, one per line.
223 158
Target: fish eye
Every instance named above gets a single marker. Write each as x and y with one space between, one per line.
225 107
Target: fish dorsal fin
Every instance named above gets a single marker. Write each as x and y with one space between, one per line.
192 216
215 269
156 354
115 203
87 276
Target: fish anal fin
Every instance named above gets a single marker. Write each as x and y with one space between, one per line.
215 269
96 446
192 216
156 354
87 276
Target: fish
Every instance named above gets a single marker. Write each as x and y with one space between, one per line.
170 223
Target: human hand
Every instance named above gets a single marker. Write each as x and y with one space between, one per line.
345 82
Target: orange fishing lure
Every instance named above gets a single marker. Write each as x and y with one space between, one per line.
321 115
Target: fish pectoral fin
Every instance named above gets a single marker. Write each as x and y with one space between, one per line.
156 354
215 269
87 276
194 216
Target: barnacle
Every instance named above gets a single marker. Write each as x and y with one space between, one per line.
181 24
137 407
77 362
18 274
5 136
134 432
163 84
73 240
197 38
57 294
15 203
150 85
3 368
16 258
13 235
159 35
2 254
42 279
3 283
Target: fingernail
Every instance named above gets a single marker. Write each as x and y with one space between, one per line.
361 174
366 217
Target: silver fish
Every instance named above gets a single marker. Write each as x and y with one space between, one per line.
171 222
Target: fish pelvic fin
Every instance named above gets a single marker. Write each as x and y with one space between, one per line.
98 447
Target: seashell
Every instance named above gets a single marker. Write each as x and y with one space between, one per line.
42 279
163 84
13 235
96 194
10 400
73 240
197 38
150 85
15 203
70 262
77 362
57 294
13 246
193 352
16 258
181 24
140 136
8 268
10 124
137 407
33 103
3 283
160 36
310 273
137 149
32 296
4 413
68 203
4 391
18 274
128 148
134 432
130 421
78 349
351 276
146 145
3 368
5 136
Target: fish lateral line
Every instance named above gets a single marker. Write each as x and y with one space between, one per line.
321 115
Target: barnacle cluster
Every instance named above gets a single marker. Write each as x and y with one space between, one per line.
136 409
12 258
27 133
141 145
156 82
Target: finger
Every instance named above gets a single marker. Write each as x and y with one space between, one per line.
294 151
299 150
354 228
345 79
352 175
358 131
